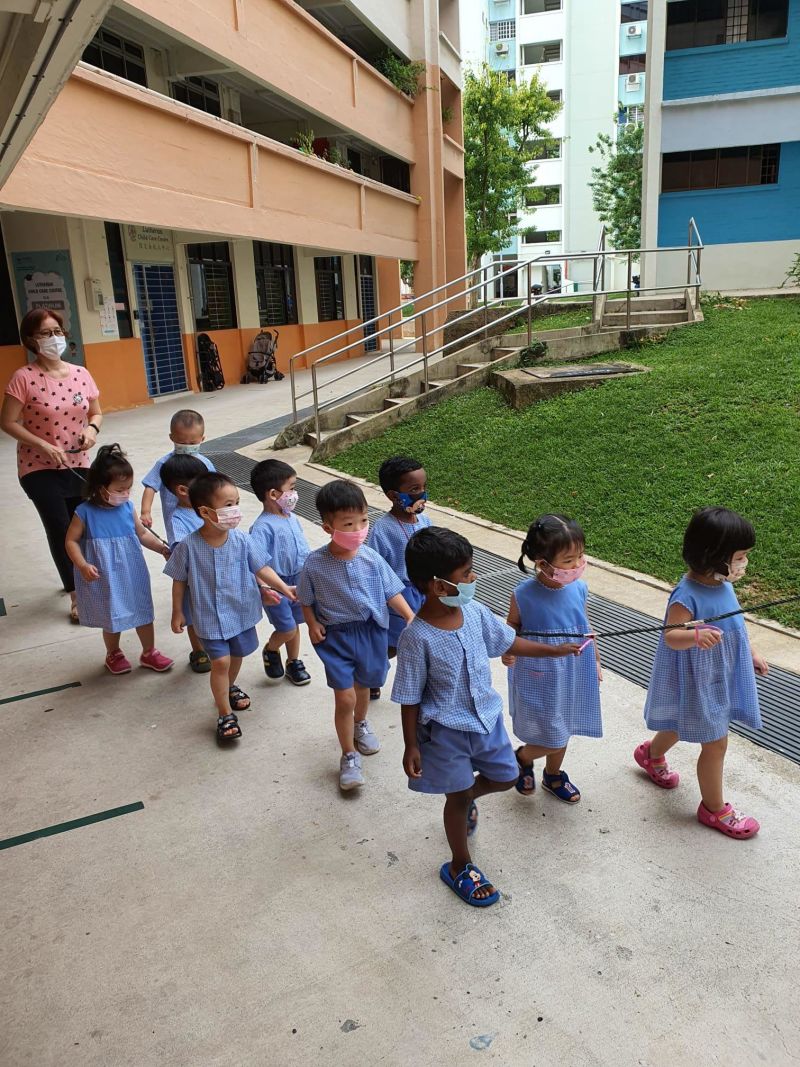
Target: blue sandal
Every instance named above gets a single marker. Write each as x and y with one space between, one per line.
560 786
526 783
472 819
466 884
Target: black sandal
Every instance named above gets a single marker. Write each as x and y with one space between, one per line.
235 698
226 725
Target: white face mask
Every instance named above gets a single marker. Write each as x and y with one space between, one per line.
735 571
52 347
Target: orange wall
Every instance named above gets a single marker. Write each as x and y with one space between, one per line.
12 357
118 369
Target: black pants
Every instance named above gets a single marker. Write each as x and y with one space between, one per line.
55 495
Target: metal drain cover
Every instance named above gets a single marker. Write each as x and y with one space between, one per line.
582 372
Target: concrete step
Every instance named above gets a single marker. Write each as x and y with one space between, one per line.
436 383
644 318
311 438
648 303
355 417
395 401
467 368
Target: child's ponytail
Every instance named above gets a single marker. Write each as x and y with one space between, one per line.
547 536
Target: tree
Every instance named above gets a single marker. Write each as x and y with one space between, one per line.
617 184
503 122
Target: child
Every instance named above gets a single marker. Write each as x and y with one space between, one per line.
703 676
282 544
346 591
404 482
177 474
112 585
550 702
220 565
452 717
187 432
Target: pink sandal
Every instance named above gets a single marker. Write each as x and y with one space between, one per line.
729 821
657 772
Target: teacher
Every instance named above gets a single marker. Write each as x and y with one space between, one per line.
52 408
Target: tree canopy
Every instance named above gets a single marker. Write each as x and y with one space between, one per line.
616 185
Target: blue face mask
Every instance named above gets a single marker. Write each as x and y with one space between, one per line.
408 501
466 592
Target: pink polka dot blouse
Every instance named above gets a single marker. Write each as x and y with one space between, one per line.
55 410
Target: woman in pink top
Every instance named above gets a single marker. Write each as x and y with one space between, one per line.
52 408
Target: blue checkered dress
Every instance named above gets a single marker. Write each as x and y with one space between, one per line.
348 590
120 598
169 502
447 672
553 699
698 692
223 592
281 542
388 536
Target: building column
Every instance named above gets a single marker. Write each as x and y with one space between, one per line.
651 163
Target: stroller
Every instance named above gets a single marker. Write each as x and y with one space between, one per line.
261 363
211 376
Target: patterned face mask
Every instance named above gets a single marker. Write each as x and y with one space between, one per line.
287 501
735 571
227 518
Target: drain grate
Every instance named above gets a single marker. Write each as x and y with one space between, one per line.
631 656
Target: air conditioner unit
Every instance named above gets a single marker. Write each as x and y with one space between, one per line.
632 83
501 48
634 30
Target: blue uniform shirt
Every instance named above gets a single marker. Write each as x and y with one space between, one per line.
388 536
184 522
447 672
223 592
169 502
348 590
281 542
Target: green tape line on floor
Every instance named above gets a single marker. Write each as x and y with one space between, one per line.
40 692
73 824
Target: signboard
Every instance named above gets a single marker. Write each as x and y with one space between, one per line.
44 280
148 244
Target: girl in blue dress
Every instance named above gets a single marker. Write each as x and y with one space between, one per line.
552 699
104 542
704 676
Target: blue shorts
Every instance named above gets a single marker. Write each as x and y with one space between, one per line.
288 614
355 653
451 757
240 645
397 623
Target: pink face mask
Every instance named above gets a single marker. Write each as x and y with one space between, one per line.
117 499
565 576
351 540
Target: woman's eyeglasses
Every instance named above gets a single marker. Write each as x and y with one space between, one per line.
44 334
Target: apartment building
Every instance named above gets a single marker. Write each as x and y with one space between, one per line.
219 166
590 55
722 138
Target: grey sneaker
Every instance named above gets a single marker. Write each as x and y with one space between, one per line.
350 776
366 741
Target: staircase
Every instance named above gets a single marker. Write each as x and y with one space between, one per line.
650 311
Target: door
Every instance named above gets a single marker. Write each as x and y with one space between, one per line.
160 328
365 277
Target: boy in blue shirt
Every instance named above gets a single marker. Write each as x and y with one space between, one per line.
187 432
346 591
452 717
279 537
405 483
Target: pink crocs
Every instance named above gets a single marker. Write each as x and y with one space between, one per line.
117 663
656 772
729 821
155 660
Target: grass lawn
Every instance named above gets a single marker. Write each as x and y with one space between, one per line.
559 320
717 421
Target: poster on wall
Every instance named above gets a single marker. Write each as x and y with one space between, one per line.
44 280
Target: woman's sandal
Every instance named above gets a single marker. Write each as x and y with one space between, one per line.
73 614
238 699
472 819
228 728
466 884
560 786
526 783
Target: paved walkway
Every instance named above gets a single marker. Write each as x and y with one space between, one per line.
250 915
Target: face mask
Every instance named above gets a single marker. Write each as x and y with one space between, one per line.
287 501
52 347
412 502
351 540
227 518
186 450
115 499
735 571
565 576
466 592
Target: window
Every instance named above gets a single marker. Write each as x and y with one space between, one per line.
502 31
354 159
549 149
697 23
200 93
633 115
396 173
632 64
556 95
634 12
277 301
117 56
537 7
116 262
330 291
541 236
543 195
211 279
720 168
546 52
507 287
